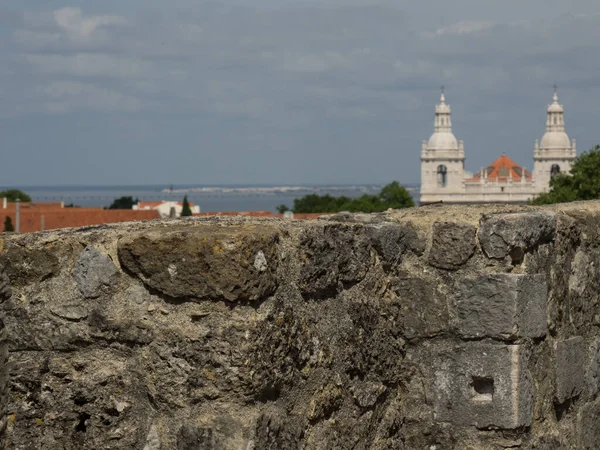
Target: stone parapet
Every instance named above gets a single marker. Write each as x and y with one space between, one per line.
435 327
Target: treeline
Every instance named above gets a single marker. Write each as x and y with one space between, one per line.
392 195
582 183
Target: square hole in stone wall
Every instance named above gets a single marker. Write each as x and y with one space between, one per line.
482 389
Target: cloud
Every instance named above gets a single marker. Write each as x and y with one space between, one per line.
36 39
313 81
315 62
463 27
90 64
253 107
65 96
78 28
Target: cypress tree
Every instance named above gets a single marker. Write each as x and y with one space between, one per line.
186 210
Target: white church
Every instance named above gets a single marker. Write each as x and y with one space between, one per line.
444 178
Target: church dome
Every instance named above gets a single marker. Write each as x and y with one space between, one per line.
555 139
442 137
555 107
555 136
441 140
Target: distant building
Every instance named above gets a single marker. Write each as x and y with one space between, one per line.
38 216
444 178
164 207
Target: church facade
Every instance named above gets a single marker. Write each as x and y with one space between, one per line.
444 178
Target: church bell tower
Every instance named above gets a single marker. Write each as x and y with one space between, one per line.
442 159
555 153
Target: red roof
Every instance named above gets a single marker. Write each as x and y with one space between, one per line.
502 170
31 219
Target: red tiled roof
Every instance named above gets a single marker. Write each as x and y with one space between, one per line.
31 220
502 169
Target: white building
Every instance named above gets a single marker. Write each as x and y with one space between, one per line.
444 178
164 207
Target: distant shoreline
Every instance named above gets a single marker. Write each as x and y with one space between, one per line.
194 186
209 198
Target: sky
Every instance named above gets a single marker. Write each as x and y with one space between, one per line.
283 91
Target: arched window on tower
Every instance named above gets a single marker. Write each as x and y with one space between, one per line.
442 176
554 170
554 120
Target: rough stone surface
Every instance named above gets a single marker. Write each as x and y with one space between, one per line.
452 244
4 393
505 306
392 242
589 431
93 271
231 263
593 367
24 266
570 366
5 294
331 257
515 234
343 332
483 385
422 309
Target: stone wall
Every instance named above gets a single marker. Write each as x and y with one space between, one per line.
430 328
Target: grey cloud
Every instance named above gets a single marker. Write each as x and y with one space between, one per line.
77 27
90 64
461 28
66 96
286 88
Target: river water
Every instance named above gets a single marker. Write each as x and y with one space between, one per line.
226 198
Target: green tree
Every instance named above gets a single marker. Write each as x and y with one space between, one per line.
396 196
583 182
13 194
186 211
8 225
123 203
282 208
314 203
392 195
365 203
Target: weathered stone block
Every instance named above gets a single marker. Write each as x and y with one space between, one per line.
29 265
393 241
423 310
354 217
93 270
569 363
4 385
336 253
192 437
592 372
483 385
588 429
452 244
506 306
514 234
235 263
